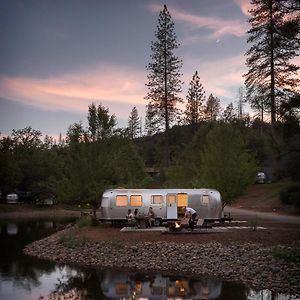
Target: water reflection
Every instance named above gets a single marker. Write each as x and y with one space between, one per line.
93 284
20 274
125 286
26 278
12 229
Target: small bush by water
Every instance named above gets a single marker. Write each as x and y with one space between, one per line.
287 254
71 241
83 222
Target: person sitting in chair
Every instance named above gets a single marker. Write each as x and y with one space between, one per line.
130 216
151 216
135 215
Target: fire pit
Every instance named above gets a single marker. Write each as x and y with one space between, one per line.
175 227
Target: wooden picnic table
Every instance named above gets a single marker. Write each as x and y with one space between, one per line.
142 221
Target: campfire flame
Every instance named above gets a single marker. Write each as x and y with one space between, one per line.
177 225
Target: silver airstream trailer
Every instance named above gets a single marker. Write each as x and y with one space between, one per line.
167 204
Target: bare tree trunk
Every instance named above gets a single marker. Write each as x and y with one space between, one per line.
166 150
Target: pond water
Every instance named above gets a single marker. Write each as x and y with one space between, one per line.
27 278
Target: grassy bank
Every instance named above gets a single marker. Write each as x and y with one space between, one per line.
265 197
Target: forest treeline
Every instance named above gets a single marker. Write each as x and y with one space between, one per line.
213 154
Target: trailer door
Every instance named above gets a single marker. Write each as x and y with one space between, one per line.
182 202
171 206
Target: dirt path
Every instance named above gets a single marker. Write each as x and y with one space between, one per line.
245 213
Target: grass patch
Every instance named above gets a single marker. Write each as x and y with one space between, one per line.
83 222
87 221
264 196
290 255
71 241
95 222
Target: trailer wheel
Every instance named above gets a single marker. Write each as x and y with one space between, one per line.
157 222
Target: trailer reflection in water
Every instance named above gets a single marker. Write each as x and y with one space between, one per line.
121 285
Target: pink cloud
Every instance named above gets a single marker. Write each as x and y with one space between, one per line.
219 26
74 92
245 6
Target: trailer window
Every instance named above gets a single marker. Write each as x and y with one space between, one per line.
171 199
157 199
205 200
136 200
182 200
121 200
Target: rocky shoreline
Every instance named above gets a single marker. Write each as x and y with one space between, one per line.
251 264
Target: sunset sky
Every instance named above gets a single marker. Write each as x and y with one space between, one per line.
59 56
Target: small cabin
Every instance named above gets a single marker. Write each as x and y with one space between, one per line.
167 204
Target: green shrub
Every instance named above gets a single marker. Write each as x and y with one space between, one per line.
290 255
83 222
71 241
94 222
291 195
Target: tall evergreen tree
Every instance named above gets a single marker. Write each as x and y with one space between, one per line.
229 114
151 121
259 102
273 36
195 101
212 108
134 124
164 71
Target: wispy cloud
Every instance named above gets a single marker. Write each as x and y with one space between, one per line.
73 92
218 26
244 5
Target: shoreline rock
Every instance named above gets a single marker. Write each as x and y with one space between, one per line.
248 263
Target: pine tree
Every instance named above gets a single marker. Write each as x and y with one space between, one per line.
229 115
134 124
274 43
164 71
212 108
151 121
259 103
195 101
